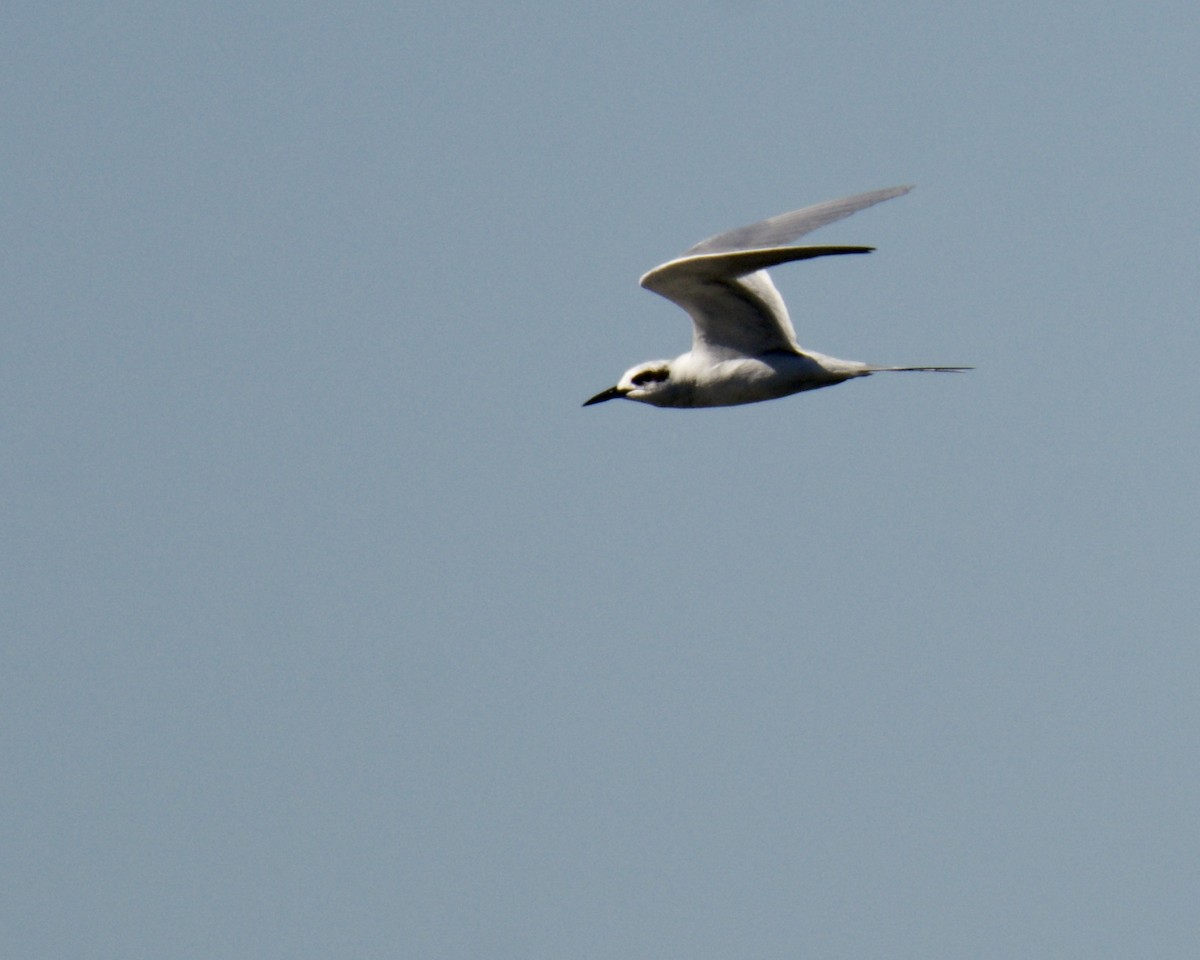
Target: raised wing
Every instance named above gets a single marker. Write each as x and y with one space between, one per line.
723 285
786 227
734 306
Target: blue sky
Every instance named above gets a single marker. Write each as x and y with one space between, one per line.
335 627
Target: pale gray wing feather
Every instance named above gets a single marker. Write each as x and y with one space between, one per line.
723 285
734 306
786 227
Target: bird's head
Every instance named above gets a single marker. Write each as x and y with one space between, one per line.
648 382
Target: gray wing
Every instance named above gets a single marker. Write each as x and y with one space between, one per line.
786 227
734 306
723 285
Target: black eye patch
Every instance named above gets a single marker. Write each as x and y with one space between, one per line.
650 376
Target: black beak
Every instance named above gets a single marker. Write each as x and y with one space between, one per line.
612 393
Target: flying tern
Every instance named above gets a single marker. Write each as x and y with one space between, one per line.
743 346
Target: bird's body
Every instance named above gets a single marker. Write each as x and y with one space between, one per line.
699 381
743 346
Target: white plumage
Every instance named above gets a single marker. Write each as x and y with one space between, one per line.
744 348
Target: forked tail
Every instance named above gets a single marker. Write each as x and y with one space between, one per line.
920 369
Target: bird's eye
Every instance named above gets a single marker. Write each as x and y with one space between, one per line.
650 376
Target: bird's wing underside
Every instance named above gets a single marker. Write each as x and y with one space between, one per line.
733 304
723 285
783 229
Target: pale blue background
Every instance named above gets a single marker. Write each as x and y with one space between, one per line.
333 627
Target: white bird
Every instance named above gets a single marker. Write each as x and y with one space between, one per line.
743 346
